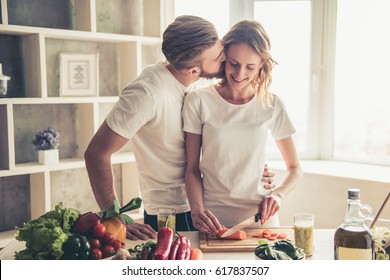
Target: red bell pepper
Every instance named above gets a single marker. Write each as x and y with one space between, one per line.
184 250
164 243
174 249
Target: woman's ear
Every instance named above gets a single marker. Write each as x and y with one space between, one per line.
194 71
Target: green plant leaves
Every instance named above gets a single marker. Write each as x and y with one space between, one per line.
116 210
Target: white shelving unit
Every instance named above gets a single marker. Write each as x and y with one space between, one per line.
29 50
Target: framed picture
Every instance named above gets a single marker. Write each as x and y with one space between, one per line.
79 74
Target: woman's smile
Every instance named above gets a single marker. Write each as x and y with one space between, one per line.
238 80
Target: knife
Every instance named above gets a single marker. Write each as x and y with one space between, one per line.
243 224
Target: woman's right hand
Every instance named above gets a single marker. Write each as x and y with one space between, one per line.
205 221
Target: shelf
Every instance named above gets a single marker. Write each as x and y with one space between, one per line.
76 35
54 13
10 57
126 35
58 100
6 237
65 164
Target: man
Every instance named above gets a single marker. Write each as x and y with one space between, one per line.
149 113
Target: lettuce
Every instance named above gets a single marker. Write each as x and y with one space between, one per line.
44 236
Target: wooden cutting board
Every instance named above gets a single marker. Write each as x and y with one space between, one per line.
211 243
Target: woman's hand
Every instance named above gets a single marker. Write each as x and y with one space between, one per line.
268 177
206 222
138 231
269 206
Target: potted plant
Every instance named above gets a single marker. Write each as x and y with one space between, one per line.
46 142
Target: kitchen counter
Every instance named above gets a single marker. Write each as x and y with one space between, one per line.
323 247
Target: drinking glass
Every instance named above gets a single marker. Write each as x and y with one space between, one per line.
166 217
303 232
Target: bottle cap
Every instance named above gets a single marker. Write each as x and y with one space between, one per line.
353 193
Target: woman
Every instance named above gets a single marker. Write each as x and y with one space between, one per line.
226 128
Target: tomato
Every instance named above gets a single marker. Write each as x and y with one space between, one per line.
107 238
116 244
95 254
123 245
108 251
99 230
95 243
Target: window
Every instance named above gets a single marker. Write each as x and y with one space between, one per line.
288 26
362 95
333 58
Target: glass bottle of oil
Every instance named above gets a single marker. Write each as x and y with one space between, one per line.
353 240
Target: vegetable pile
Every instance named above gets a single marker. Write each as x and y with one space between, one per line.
45 236
279 250
167 247
65 234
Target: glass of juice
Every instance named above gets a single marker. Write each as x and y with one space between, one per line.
303 232
166 217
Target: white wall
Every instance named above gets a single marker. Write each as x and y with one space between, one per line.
326 197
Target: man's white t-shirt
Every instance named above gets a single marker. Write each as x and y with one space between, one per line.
233 150
149 113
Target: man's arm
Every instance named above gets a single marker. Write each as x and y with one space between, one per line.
98 162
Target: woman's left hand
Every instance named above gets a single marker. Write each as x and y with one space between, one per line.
268 178
269 206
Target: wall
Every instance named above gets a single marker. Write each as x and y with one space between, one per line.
326 197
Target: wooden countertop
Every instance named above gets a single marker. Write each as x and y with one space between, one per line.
323 247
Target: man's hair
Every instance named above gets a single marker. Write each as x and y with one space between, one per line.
185 39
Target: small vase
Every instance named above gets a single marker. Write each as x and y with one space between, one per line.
48 157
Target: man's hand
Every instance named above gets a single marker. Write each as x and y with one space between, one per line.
140 231
268 177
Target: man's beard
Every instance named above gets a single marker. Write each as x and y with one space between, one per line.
208 75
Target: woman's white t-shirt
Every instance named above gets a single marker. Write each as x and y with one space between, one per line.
233 150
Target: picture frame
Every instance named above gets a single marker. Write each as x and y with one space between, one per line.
79 74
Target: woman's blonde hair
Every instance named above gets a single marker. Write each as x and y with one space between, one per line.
185 39
252 33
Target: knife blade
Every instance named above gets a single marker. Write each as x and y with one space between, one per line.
243 224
